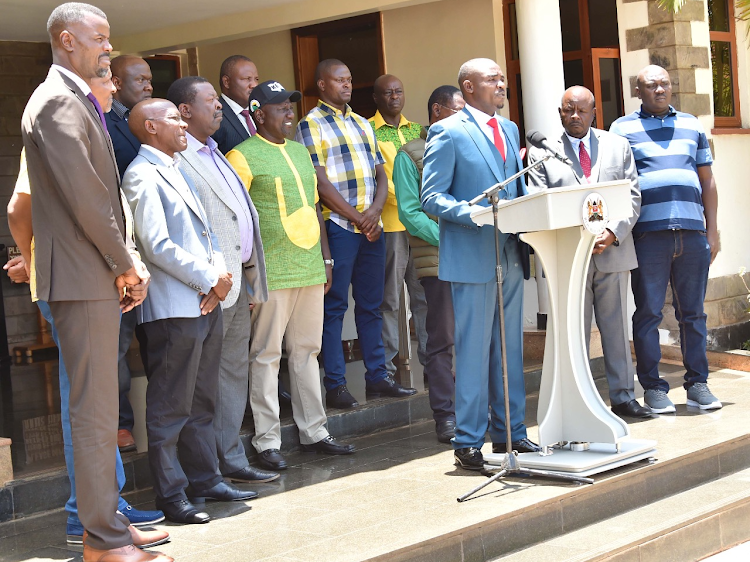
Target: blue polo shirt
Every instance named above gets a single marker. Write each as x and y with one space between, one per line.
668 151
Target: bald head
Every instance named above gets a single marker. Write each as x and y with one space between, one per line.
156 122
577 111
132 77
482 84
388 93
334 83
654 88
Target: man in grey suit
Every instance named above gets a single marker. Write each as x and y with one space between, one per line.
233 218
83 268
600 156
180 319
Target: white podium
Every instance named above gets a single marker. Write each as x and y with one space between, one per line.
570 408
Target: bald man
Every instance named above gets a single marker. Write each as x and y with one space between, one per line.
600 156
181 319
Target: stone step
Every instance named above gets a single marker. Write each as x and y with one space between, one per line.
687 526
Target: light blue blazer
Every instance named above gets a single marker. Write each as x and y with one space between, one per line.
174 239
459 164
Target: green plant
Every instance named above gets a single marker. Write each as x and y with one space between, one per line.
741 8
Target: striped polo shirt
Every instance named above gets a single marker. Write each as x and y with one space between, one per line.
668 151
345 145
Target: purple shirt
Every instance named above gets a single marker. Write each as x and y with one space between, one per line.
234 190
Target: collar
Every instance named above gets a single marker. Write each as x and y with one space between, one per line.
260 137
380 122
233 105
80 82
162 156
198 146
586 140
480 116
333 111
646 115
121 111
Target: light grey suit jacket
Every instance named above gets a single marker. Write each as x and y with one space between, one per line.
174 238
611 159
216 199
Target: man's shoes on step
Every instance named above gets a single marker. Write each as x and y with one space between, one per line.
658 401
524 445
251 475
632 409
469 458
340 398
127 553
125 441
330 446
140 518
141 539
182 511
272 459
388 387
446 430
222 492
699 396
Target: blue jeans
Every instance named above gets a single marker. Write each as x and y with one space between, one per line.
679 257
361 264
71 506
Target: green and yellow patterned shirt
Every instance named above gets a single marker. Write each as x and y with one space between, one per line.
282 183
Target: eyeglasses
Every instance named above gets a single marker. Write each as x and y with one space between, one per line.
449 109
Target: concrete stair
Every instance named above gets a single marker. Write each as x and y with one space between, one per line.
686 526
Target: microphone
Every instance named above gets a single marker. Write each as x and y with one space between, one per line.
538 140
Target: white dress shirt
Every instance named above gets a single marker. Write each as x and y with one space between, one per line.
574 142
80 82
482 118
234 106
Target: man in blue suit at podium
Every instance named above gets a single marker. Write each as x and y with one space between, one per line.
467 153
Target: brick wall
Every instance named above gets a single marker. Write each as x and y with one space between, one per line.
23 66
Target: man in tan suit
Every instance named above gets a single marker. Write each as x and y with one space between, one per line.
83 267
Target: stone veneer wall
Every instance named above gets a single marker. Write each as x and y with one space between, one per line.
23 66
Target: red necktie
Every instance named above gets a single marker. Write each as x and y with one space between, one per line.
583 158
250 125
499 144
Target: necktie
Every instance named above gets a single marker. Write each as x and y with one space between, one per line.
499 144
585 160
250 125
98 107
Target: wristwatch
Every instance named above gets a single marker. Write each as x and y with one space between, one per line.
328 262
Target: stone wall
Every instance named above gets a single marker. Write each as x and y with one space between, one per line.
23 66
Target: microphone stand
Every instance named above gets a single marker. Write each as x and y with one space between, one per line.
510 463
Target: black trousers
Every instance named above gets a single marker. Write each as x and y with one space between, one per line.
181 359
439 349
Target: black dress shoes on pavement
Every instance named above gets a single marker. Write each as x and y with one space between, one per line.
469 458
632 409
182 511
524 445
222 492
330 446
272 459
341 398
251 475
446 430
388 387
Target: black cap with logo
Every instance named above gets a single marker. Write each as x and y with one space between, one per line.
271 92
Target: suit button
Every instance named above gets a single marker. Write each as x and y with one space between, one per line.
237 248
203 233
234 217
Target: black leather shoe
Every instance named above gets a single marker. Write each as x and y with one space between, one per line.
252 475
341 398
222 492
524 445
388 387
272 459
469 458
330 446
446 430
632 409
182 511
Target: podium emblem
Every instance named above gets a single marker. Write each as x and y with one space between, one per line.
595 214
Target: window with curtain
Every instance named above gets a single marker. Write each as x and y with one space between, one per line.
721 23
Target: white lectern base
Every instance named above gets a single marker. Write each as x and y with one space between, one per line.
600 457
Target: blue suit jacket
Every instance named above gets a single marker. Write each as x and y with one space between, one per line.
460 163
124 142
174 238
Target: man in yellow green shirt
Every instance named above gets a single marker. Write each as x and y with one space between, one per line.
393 130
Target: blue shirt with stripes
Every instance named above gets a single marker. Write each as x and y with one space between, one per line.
668 151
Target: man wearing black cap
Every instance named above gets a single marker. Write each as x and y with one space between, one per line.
282 182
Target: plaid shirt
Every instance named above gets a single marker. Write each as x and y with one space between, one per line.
345 144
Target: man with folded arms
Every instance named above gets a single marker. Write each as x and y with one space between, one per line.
281 179
181 319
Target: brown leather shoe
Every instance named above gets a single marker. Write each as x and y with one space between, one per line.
141 538
127 553
125 441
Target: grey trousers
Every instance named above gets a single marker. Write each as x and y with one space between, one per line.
233 388
399 267
606 296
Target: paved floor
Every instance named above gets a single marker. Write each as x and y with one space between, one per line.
399 489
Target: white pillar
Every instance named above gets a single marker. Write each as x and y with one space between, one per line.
540 51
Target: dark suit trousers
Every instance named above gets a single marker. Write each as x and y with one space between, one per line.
439 349
88 332
182 366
